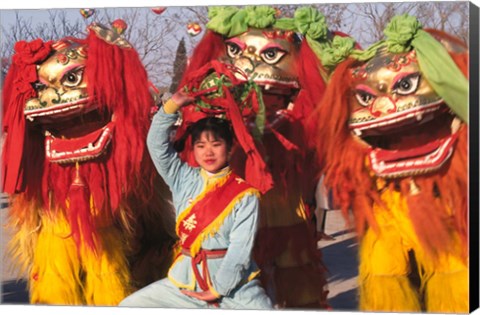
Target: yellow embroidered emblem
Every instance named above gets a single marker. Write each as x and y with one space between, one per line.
190 223
183 237
239 180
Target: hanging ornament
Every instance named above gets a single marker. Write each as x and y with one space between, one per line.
86 13
194 29
119 26
159 10
278 12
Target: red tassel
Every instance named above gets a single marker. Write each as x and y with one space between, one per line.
78 214
256 170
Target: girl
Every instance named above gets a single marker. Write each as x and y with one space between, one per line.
216 213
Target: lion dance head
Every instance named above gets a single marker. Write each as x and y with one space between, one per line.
395 117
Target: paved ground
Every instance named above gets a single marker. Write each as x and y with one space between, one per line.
13 290
339 257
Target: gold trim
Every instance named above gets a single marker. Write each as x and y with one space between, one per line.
178 284
253 275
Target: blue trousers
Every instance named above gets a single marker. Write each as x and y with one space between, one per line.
163 294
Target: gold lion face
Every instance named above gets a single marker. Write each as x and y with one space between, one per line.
75 130
390 86
396 112
62 87
266 56
269 58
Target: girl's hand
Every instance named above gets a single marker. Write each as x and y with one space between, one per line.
181 98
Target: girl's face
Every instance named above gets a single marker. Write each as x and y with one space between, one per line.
210 153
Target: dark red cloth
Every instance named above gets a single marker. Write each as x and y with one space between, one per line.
17 90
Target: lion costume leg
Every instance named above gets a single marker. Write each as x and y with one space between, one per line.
292 269
385 266
383 273
446 285
61 276
107 278
447 292
56 273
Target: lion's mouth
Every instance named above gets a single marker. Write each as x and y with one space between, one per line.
83 148
76 137
405 149
419 160
62 111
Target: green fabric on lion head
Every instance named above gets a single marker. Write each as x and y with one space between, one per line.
404 33
231 21
400 33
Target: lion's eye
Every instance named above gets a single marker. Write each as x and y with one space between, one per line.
233 50
364 98
407 84
272 55
73 77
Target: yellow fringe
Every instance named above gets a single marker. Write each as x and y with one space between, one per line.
213 227
388 294
253 275
23 224
300 210
385 266
56 281
447 293
93 278
107 278
190 286
383 273
396 217
445 283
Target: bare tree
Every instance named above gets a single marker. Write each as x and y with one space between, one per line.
57 25
156 36
338 16
450 17
370 19
149 33
199 14
4 64
182 16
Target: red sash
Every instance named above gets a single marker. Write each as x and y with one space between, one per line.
207 212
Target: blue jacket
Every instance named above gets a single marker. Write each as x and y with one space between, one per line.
237 232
